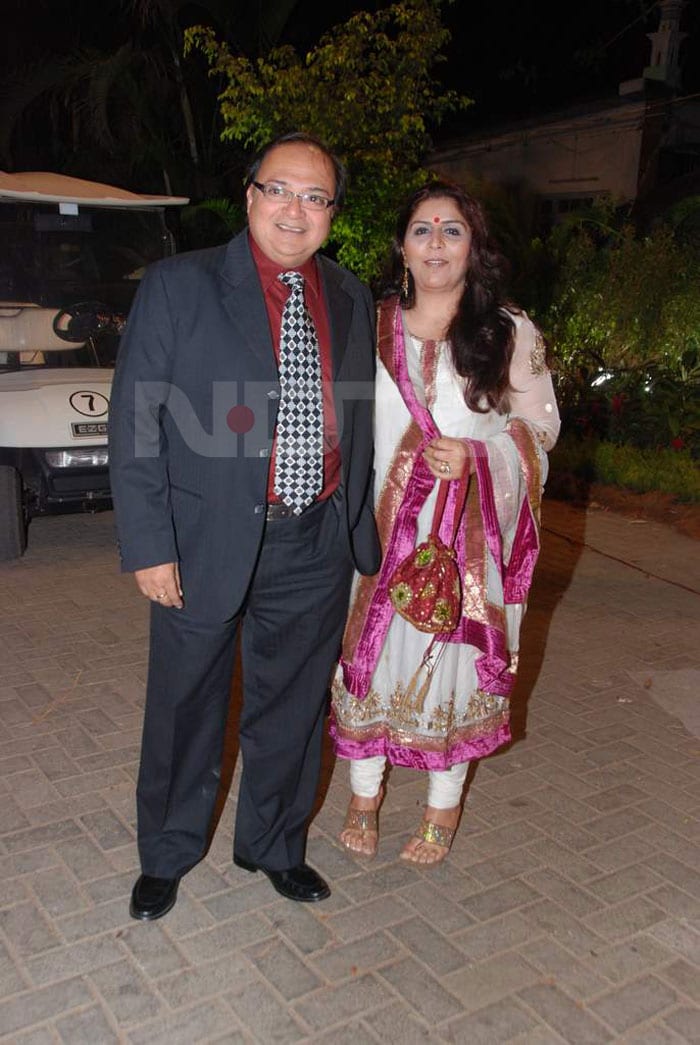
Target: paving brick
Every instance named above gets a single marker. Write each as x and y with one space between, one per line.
375 883
12 892
499 934
685 1021
199 1023
442 911
88 1027
97 920
581 981
625 919
112 887
683 977
661 840
11 981
84 858
626 960
30 1007
489 980
423 992
337 1004
188 916
576 900
507 865
74 960
679 937
188 986
368 917
573 865
107 830
38 1036
58 892
504 1021
650 1034
678 873
32 788
356 958
634 1002
573 836
27 930
218 939
355 1033
620 853
574 875
506 897
298 925
12 817
279 964
566 1017
617 825
552 918
428 945
628 881
151 950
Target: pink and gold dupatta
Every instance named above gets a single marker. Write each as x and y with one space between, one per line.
406 488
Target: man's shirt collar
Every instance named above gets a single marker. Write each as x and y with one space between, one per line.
269 270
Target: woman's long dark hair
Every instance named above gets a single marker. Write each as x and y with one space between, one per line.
482 333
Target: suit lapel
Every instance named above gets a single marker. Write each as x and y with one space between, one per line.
339 305
243 299
244 302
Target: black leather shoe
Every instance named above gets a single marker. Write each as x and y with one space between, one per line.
297 883
151 898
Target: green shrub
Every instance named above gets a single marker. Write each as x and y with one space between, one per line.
668 471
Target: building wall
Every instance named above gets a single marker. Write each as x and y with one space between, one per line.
581 156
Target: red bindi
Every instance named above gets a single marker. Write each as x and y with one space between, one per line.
436 220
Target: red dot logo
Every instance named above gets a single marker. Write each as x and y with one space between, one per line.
240 419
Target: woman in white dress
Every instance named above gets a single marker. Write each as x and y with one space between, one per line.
462 389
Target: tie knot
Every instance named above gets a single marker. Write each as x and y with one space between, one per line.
292 279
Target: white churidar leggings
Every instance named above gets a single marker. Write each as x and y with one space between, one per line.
444 787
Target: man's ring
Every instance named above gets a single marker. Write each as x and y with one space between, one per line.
445 468
161 596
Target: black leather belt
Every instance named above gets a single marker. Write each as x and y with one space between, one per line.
279 511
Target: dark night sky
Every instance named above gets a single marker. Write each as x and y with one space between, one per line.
520 57
513 57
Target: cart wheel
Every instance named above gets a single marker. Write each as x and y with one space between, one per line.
13 525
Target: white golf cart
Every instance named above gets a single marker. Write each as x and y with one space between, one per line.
71 255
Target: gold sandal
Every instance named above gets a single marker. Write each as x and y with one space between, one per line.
433 834
362 820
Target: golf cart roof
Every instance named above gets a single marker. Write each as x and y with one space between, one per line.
46 187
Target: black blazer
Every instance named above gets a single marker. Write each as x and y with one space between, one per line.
193 412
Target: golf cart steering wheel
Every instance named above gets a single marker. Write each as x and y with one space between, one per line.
85 319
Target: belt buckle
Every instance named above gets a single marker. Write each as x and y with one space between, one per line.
279 511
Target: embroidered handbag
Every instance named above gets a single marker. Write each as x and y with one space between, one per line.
425 587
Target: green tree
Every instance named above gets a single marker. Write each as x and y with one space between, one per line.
625 325
367 90
623 300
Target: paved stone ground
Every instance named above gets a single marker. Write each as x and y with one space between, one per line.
567 911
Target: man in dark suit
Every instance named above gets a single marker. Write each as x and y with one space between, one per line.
215 535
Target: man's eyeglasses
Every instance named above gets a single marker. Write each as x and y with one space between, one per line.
309 200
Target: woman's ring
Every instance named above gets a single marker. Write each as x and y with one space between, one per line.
445 468
161 596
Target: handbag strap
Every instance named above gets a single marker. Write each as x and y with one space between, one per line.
460 501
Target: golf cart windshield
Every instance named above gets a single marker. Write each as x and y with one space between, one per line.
72 253
99 253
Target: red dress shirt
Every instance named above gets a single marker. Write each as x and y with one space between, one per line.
276 295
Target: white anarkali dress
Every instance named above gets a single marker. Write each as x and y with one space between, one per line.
454 719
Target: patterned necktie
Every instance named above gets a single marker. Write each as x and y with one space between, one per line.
299 454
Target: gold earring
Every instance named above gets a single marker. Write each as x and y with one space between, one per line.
404 281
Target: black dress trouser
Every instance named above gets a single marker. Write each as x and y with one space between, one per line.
291 627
